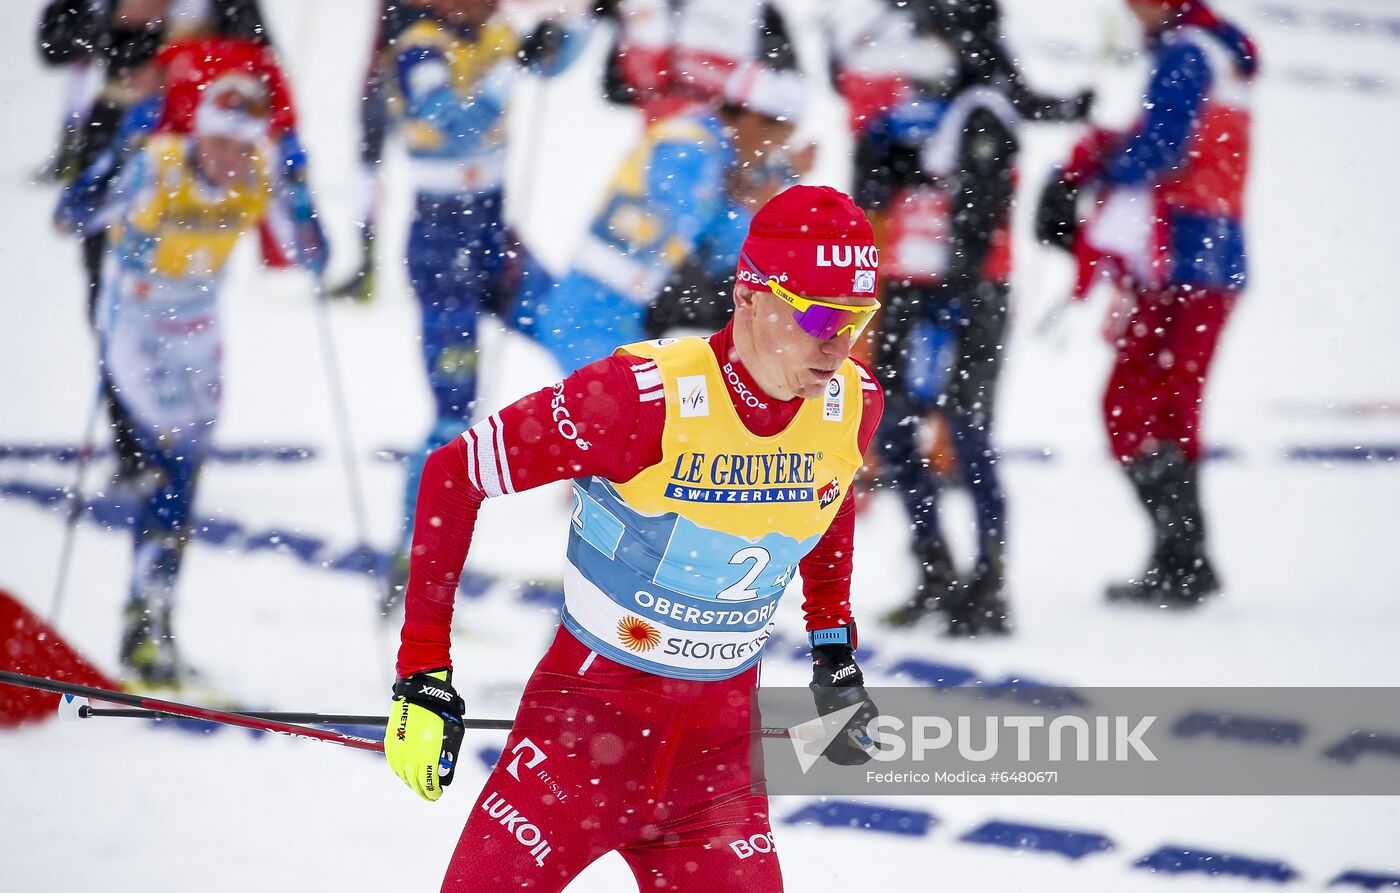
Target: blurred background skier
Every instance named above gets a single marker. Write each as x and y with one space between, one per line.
124 37
453 70
395 17
667 56
1168 226
687 191
936 104
174 214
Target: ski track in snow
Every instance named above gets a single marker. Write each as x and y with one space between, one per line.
1304 546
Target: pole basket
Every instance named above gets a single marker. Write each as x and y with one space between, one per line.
31 646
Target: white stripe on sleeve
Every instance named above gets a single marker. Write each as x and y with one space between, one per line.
486 457
648 379
472 476
507 485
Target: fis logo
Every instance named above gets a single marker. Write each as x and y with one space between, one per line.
695 396
536 757
829 494
867 256
864 283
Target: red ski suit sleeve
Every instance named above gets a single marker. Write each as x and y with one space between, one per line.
606 419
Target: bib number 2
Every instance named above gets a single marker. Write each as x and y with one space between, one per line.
757 558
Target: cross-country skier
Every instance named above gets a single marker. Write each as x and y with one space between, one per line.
125 38
668 54
453 70
706 473
936 158
1169 222
178 208
185 68
395 17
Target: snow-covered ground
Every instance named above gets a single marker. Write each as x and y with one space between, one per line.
1305 546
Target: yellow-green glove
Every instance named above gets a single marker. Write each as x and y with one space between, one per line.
424 732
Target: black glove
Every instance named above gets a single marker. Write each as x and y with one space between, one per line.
542 45
1057 215
837 683
1081 105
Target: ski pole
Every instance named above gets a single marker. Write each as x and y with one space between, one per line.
1048 325
74 502
340 409
190 711
323 719
86 711
272 722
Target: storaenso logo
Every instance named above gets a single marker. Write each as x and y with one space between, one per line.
526 833
744 477
1063 738
727 652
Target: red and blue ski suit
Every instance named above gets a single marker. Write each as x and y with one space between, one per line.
1171 222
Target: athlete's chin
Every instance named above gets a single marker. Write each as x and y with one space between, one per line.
811 390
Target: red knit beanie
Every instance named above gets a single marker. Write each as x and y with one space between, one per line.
813 240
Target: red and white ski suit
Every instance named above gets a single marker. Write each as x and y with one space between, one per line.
602 756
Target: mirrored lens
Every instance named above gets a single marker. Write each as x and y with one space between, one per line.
827 322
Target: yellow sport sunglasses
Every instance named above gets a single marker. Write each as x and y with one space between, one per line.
820 319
